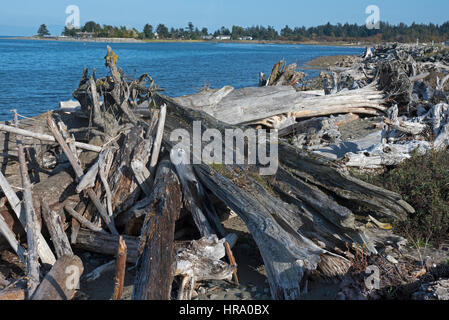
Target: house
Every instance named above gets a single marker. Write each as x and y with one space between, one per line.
208 37
85 34
221 37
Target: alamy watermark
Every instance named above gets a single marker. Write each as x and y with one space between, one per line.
251 147
373 280
73 21
373 20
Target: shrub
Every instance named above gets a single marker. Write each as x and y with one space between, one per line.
423 181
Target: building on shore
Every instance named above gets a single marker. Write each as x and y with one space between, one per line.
221 37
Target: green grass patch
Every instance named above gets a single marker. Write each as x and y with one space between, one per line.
423 181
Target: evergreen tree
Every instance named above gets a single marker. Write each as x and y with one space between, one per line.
43 31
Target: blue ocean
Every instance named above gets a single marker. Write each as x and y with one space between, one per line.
36 75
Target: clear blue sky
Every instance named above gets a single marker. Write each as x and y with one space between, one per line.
22 17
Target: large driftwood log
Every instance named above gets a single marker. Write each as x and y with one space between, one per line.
253 104
32 224
155 272
276 226
62 281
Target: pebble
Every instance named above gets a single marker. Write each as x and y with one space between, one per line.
392 260
213 297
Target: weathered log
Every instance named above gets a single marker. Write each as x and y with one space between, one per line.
276 226
82 220
62 281
45 253
158 139
32 224
200 260
120 268
253 104
56 230
124 188
155 272
106 243
46 137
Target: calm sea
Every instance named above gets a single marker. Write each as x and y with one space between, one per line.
36 75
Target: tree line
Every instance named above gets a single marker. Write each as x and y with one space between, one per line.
327 32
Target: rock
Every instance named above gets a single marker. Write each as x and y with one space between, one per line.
437 290
391 259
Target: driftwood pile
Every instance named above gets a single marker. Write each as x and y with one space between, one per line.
101 178
405 85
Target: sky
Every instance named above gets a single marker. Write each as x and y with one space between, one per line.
23 17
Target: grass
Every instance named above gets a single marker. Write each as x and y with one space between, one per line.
423 181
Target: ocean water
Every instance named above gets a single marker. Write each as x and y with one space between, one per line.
36 75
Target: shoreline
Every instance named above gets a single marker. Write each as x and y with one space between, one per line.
131 40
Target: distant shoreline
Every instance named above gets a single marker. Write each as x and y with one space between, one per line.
129 40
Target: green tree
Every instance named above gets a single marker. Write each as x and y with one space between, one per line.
162 31
148 31
91 26
43 31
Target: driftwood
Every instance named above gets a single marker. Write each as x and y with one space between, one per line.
271 220
56 230
82 220
282 75
6 232
45 137
62 281
200 260
79 173
32 225
120 267
254 104
44 250
155 274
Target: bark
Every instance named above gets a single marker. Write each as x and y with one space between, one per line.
155 272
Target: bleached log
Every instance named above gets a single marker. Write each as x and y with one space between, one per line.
413 128
200 260
46 137
88 179
32 225
56 230
158 140
442 140
385 154
252 104
142 175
